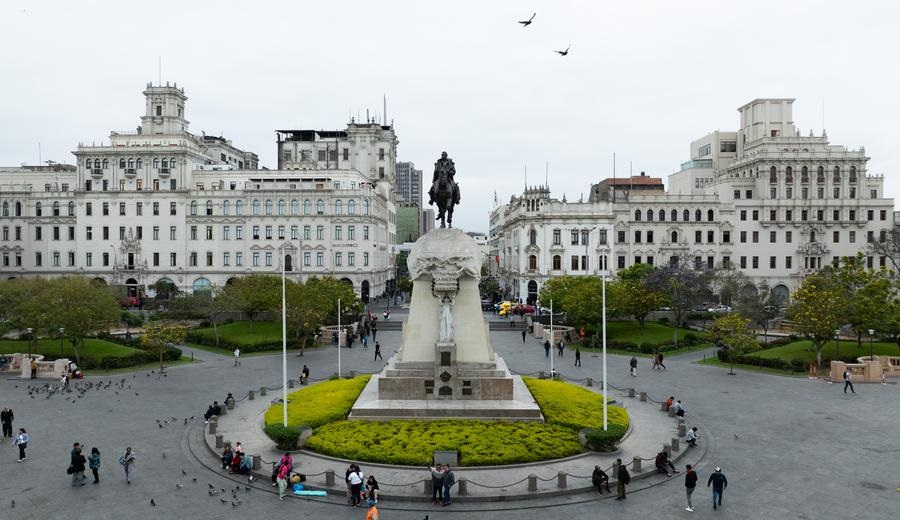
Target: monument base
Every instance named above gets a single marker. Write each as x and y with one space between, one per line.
500 396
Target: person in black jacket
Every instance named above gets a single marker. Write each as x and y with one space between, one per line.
599 478
719 483
6 417
623 478
690 482
77 466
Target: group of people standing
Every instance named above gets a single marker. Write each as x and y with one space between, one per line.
359 487
442 479
78 463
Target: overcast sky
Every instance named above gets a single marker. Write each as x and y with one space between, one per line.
643 78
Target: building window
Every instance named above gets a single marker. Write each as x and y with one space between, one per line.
674 215
788 236
755 215
772 262
637 237
556 237
239 207
710 236
281 233
698 216
338 261
254 262
649 236
674 237
743 262
737 194
637 215
748 194
620 262
662 215
743 237
743 214
772 193
239 259
773 214
320 207
268 232
532 237
852 237
883 215
307 257
307 207
281 206
620 237
337 233
268 207
320 232
772 235
574 263
238 232
726 236
226 259
268 259
209 232
557 262
773 175
532 262
320 259
649 215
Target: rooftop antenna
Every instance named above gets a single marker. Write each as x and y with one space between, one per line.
384 114
614 177
823 117
39 153
526 176
547 175
160 70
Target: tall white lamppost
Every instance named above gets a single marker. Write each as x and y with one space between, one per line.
604 272
284 386
339 338
551 339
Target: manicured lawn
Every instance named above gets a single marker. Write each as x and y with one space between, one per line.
331 401
94 348
239 332
653 333
621 352
804 350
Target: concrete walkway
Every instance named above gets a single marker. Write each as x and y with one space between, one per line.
651 429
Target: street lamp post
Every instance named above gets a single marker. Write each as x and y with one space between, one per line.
284 410
551 339
871 344
339 338
837 345
30 333
62 333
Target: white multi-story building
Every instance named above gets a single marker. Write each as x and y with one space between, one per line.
763 199
163 204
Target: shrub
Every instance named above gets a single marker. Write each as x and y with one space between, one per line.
663 321
798 364
333 400
572 406
600 440
285 437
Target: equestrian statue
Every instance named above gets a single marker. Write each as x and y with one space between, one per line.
444 190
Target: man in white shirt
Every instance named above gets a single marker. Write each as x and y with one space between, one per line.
237 357
692 437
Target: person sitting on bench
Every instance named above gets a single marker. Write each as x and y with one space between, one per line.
663 465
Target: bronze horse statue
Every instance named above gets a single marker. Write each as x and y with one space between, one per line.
444 190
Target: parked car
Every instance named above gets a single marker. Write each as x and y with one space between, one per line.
720 309
523 308
487 304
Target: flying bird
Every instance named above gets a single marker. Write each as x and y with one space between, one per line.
565 52
183 472
527 22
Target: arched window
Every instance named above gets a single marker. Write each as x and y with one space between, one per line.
105 163
268 207
532 237
853 174
773 175
239 207
557 262
366 207
165 163
281 206
193 207
686 216
804 174
674 215
674 237
71 208
698 216
789 175
202 284
172 162
37 209
5 208
637 215
837 174
139 163
130 163
209 207
820 175
156 163
254 208
338 207
662 215
320 207
709 216
226 207
307 207
19 208
351 207
649 215
88 164
532 262
122 163
56 209
295 207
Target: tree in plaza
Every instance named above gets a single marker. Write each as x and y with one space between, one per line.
209 305
818 308
631 295
405 285
326 291
890 324
866 294
97 308
681 286
255 294
728 283
131 319
165 290
159 335
307 308
732 332
24 303
579 297
488 287
759 305
889 247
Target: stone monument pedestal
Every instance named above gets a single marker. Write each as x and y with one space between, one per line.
445 367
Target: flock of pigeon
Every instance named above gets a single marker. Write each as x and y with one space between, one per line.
526 23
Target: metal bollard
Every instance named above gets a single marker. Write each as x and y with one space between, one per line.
541 374
220 440
663 406
532 482
257 462
667 449
251 395
590 381
290 383
329 478
682 429
643 397
429 486
636 464
675 446
671 412
461 487
229 404
561 479
211 427
352 374
224 411
262 391
631 392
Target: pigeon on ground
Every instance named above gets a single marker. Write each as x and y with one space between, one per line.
194 479
183 472
12 503
179 486
210 486
152 502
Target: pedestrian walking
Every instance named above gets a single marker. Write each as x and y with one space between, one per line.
356 480
659 360
655 361
365 340
448 480
237 357
546 348
378 351
76 466
560 347
524 332
577 357
34 366
719 483
690 482
374 331
623 478
127 461
848 381
282 480
22 442
437 483
304 375
6 417
633 366
94 464
599 478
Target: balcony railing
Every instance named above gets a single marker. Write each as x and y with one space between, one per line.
130 171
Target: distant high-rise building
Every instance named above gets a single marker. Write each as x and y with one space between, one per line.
409 183
427 221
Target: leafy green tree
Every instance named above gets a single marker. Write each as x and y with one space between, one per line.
326 291
165 290
158 336
256 294
306 312
732 332
818 308
866 293
579 297
759 306
209 305
405 284
488 287
681 286
97 310
632 296
131 319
